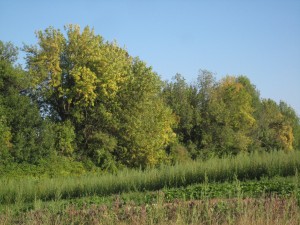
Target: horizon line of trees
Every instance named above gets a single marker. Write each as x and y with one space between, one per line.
88 100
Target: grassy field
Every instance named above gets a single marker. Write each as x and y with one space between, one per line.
268 201
257 189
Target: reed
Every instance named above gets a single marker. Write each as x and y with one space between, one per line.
241 167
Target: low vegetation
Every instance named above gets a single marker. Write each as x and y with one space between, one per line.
242 167
271 201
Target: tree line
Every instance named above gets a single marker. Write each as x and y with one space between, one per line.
86 99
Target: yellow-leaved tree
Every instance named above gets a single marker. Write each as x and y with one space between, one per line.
231 117
111 99
275 129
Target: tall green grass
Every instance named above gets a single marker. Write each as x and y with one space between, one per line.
242 167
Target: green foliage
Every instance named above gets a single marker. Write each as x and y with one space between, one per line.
242 167
228 117
182 98
276 130
85 111
284 187
52 166
231 116
5 139
65 138
20 121
179 154
292 120
87 99
109 98
91 197
8 52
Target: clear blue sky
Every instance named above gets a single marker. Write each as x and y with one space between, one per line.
256 38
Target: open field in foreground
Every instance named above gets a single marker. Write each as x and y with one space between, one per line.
265 210
242 167
247 189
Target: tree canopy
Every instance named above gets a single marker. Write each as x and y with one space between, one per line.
110 98
86 99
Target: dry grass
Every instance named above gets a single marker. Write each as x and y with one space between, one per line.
264 211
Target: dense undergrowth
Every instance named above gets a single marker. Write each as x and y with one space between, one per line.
241 167
278 186
269 201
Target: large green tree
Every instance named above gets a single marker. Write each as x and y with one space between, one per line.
183 99
293 120
231 116
214 117
111 99
276 124
20 122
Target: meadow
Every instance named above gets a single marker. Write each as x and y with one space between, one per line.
258 188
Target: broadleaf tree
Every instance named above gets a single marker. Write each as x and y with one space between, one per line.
109 97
